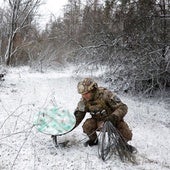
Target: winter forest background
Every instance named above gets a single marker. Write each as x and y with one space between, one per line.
129 37
123 44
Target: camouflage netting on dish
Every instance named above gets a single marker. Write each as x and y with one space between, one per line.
54 121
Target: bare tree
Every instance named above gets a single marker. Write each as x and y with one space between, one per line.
21 13
3 33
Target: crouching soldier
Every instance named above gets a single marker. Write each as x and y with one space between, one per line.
103 105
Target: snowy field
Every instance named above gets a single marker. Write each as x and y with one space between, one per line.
22 147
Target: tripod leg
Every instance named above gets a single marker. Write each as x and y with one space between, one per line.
55 141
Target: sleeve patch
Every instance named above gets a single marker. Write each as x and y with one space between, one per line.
116 99
81 106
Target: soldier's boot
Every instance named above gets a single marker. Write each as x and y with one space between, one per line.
91 142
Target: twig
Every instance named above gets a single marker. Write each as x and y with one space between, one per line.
26 138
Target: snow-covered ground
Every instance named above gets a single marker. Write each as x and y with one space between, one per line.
22 147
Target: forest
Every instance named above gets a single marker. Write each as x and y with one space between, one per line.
124 45
130 38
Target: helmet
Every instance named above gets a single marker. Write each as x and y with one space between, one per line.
86 85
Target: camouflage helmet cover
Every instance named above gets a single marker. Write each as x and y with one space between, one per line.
86 85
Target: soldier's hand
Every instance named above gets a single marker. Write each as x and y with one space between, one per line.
94 109
113 119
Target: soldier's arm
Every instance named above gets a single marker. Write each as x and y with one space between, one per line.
79 113
120 109
79 117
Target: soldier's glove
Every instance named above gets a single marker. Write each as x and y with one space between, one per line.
94 109
113 119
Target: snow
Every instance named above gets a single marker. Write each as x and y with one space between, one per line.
24 92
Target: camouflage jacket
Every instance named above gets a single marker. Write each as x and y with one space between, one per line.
105 103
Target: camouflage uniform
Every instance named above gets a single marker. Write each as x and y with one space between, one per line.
104 104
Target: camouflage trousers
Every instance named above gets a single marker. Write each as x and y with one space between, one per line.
91 125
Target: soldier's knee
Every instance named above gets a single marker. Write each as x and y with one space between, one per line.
125 131
89 125
128 135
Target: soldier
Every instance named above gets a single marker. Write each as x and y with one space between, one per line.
103 105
